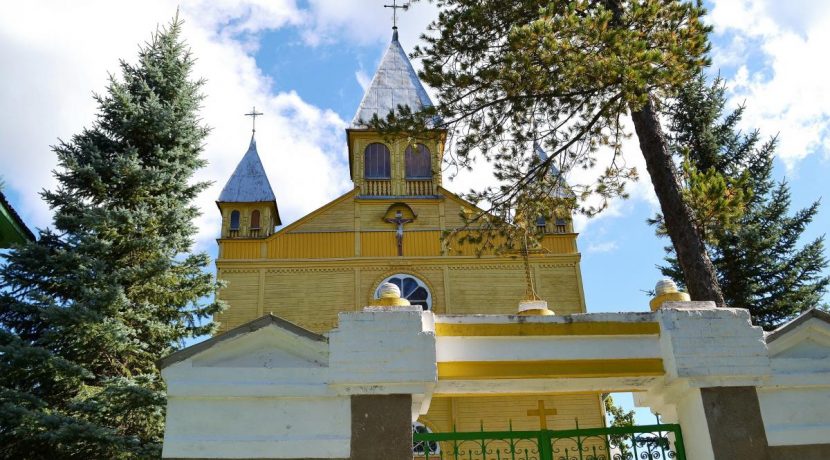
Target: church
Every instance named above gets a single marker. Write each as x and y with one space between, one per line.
388 229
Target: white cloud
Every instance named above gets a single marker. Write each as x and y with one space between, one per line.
778 49
363 79
57 54
605 246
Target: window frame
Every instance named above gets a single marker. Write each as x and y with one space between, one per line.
422 150
385 164
419 282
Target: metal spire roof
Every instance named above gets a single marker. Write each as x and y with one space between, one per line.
562 190
248 183
395 83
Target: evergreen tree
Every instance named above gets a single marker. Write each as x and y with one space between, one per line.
760 264
565 74
87 310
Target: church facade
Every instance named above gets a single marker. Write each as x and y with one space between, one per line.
389 228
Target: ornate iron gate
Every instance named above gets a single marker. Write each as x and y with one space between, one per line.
644 442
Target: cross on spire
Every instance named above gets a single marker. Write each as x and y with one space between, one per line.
395 7
253 114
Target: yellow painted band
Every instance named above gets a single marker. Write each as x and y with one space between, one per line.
536 329
566 368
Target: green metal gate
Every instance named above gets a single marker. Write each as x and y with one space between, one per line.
661 441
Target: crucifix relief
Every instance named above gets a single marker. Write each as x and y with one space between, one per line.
542 413
399 221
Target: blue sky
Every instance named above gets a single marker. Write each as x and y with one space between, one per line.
303 64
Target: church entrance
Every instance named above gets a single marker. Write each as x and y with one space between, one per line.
661 441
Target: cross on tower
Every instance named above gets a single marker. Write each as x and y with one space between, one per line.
542 413
395 8
253 114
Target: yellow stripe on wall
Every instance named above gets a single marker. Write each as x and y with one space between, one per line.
571 368
542 329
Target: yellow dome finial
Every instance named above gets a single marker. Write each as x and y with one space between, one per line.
666 291
390 296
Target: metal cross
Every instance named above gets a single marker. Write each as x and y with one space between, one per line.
253 115
395 8
542 413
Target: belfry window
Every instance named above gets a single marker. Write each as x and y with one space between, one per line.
255 220
418 162
234 220
412 289
376 164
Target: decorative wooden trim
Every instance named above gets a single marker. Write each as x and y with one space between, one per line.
551 369
603 328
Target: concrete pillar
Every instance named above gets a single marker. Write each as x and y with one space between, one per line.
733 417
381 427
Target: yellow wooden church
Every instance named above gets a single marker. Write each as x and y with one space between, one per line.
389 228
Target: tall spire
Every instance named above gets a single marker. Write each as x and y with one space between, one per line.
395 83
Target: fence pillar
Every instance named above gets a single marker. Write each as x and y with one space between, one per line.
713 359
381 427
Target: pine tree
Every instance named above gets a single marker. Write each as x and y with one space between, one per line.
565 74
87 310
760 263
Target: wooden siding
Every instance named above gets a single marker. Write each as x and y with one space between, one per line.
496 413
311 299
242 297
311 245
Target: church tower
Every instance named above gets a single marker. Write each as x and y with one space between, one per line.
247 202
404 167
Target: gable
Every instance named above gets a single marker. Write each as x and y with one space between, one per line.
266 342
269 347
337 215
808 340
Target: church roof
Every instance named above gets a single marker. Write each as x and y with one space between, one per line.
248 183
395 83
562 190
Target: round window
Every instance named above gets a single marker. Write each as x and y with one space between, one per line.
412 289
420 448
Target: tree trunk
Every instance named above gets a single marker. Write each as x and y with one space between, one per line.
698 271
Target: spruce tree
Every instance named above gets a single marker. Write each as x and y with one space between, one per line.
87 310
760 262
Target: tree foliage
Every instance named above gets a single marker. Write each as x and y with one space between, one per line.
87 309
760 262
563 74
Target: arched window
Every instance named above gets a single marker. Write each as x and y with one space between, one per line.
412 289
420 448
418 162
255 220
234 220
376 164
